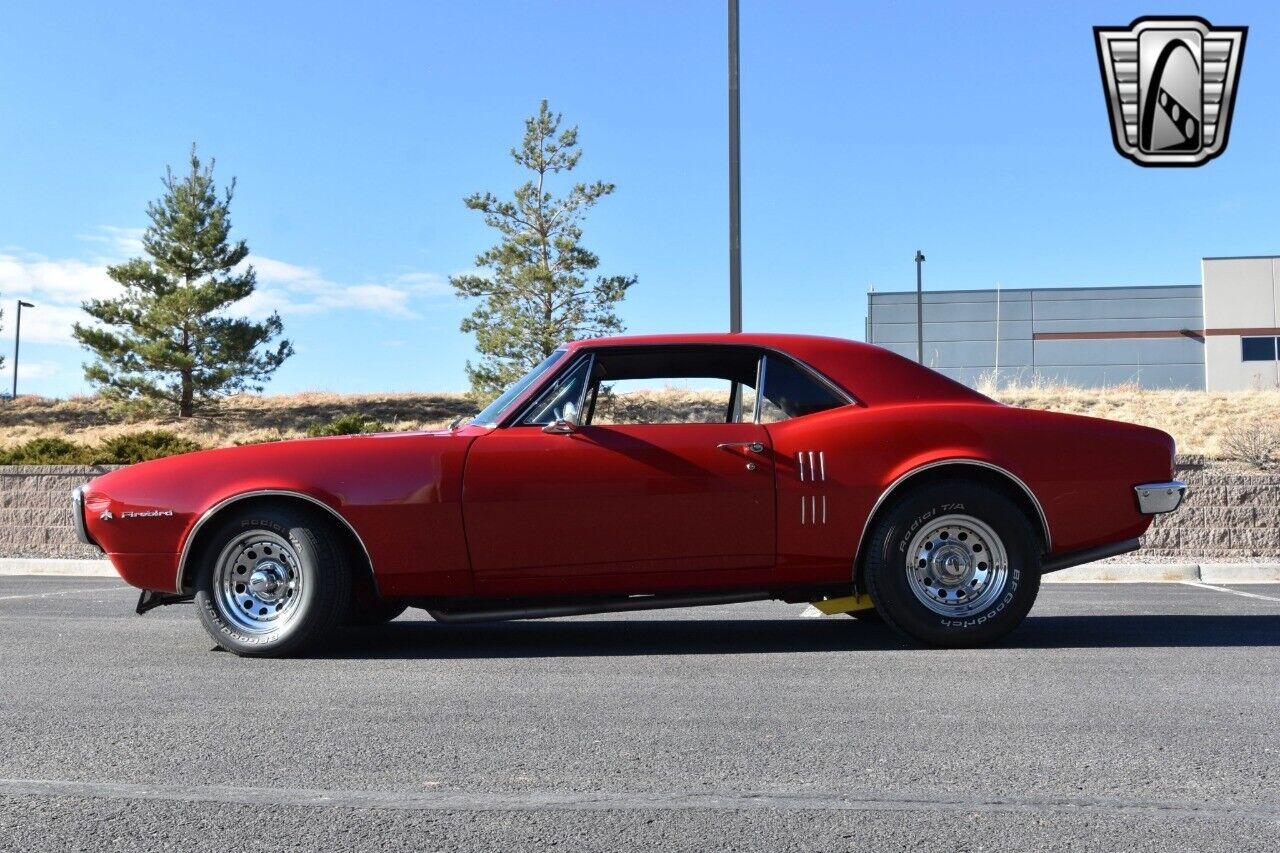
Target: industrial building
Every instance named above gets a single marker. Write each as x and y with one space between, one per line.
1218 335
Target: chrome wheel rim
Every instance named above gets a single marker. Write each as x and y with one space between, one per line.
258 582
957 565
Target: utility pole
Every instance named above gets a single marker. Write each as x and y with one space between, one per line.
997 380
919 307
17 340
735 180
871 316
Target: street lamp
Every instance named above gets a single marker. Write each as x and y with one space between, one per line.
17 339
919 307
735 180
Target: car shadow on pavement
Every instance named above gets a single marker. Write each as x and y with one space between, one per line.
412 639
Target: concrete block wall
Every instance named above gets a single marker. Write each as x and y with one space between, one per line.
1227 516
35 510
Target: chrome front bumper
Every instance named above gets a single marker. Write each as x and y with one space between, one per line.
1155 498
77 516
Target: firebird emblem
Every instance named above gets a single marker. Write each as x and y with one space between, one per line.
150 513
106 515
1170 86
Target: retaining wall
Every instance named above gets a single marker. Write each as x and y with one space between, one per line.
1227 516
35 510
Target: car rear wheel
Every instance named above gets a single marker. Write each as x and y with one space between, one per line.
272 581
953 564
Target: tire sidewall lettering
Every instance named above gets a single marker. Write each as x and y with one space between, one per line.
231 633
890 566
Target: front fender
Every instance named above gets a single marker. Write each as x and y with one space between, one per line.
399 494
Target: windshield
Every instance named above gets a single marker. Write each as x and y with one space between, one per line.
493 411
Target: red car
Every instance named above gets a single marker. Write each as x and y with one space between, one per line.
802 469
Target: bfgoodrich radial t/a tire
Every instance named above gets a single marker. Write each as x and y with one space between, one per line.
273 580
953 564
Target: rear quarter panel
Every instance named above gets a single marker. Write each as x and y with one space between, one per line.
1081 470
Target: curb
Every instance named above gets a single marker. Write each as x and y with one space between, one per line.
57 567
1229 573
1240 573
1233 573
1127 573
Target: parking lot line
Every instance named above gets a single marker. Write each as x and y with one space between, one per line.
724 800
61 592
1232 591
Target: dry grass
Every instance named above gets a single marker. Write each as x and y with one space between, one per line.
1201 422
1256 444
238 419
668 405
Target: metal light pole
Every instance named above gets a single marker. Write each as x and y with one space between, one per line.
919 307
735 180
17 339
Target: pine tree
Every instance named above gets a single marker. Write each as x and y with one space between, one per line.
537 293
167 338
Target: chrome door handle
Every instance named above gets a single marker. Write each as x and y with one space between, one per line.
753 446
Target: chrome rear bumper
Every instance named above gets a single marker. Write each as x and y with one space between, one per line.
77 516
1155 498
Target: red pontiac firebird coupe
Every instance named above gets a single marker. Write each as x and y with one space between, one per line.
802 469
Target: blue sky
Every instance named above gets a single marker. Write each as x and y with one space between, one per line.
974 131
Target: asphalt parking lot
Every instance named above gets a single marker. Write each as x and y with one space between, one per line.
1119 717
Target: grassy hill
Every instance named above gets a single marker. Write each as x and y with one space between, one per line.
242 418
1201 422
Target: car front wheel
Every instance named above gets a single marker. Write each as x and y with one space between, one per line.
272 581
954 564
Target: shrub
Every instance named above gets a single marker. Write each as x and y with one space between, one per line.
1255 443
47 451
349 424
142 446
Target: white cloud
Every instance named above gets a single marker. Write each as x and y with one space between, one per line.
57 281
286 287
46 323
36 369
118 243
59 285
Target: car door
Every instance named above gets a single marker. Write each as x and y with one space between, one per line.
627 506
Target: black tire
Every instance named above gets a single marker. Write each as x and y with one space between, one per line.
369 614
288 570
933 520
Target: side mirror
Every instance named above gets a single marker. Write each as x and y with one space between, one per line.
566 421
560 427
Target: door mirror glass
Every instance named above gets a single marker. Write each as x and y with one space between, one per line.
560 428
566 420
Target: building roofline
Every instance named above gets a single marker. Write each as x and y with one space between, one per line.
1046 289
1242 258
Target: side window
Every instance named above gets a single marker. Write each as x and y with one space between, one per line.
562 400
687 400
1258 349
790 392
696 384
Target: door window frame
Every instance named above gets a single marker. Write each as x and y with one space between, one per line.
588 354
